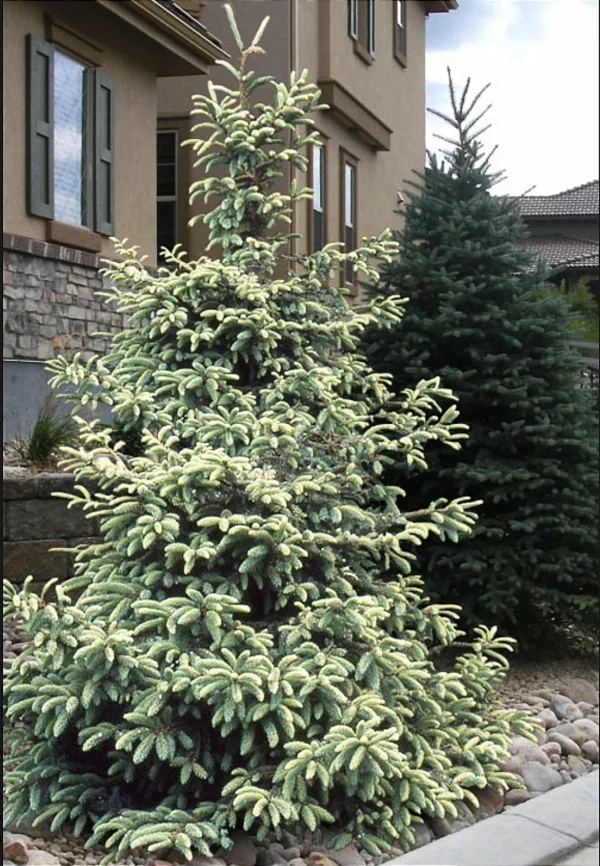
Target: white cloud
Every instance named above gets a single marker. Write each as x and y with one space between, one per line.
68 143
544 91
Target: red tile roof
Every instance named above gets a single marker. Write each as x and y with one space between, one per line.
581 201
561 252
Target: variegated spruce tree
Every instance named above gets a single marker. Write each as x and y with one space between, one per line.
249 648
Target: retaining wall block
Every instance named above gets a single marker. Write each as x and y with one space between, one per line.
24 487
22 558
34 519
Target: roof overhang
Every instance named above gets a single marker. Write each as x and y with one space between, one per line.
577 265
440 5
184 50
354 115
560 217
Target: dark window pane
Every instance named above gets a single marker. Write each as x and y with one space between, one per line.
165 146
165 179
318 177
165 224
349 244
317 230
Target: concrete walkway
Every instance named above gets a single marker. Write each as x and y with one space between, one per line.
588 856
560 824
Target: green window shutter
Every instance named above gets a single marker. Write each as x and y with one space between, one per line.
40 127
104 156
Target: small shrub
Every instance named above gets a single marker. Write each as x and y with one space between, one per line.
51 432
584 304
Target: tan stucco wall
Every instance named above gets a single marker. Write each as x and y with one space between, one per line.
395 94
175 94
297 38
128 58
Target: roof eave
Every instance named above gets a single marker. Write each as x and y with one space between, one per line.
440 5
574 266
560 217
192 51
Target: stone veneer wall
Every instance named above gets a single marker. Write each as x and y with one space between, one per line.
49 302
36 521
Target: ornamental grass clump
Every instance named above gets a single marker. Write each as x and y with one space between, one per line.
249 648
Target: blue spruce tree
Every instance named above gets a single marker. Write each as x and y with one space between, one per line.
482 319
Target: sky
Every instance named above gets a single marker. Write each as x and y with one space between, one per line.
541 59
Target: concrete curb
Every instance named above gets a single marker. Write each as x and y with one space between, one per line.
536 833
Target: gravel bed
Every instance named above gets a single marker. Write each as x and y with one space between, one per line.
13 464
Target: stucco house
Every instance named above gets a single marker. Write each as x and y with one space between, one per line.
97 100
368 58
79 135
565 232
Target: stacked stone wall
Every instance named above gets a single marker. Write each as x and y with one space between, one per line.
35 521
50 305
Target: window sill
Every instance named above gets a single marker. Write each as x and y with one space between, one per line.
401 58
362 52
73 236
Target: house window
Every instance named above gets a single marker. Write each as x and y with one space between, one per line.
166 189
317 226
362 27
70 139
348 211
353 18
400 31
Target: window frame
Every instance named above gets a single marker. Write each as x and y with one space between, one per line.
169 130
310 234
353 19
88 168
400 32
182 125
348 159
362 28
40 165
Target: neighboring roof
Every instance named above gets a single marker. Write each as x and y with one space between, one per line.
581 201
563 253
